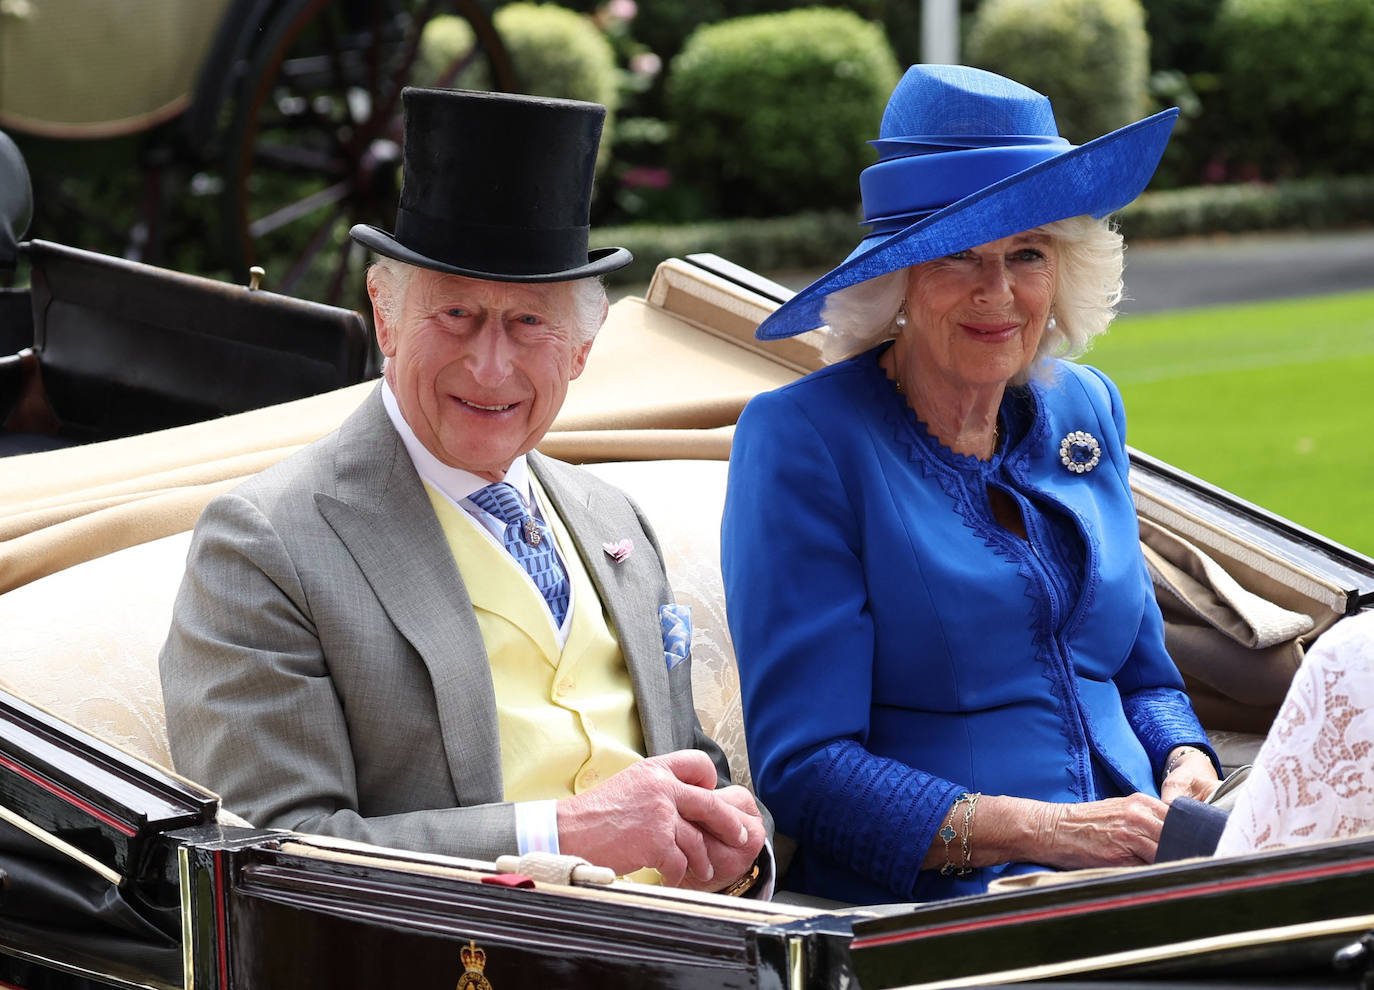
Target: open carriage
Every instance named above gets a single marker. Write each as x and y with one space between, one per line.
118 872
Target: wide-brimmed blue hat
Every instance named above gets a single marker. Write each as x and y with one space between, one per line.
967 157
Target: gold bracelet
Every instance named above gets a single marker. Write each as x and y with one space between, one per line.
1178 758
967 840
948 833
743 882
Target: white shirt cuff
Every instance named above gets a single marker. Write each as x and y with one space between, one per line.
536 826
766 891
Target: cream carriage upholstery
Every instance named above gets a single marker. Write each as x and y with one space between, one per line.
83 642
93 539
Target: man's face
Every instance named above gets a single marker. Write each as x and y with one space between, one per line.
480 369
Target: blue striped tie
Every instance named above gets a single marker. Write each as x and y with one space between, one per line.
530 543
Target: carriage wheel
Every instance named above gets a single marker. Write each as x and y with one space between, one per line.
315 143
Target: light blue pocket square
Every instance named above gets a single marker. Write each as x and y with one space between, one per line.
677 632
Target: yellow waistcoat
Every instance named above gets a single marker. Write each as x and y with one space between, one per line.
567 718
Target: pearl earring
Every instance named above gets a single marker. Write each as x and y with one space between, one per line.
901 318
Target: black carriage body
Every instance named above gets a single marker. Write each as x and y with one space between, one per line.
289 918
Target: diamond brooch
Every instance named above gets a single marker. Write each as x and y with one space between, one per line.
1080 452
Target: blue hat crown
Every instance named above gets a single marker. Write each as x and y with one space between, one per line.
948 131
953 100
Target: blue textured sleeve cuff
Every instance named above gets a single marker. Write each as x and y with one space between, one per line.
1163 719
887 820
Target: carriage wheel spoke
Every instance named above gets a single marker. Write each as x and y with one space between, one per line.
317 242
292 212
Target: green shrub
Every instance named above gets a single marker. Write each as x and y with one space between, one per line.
1299 204
816 239
772 113
1179 33
1298 95
555 52
1090 57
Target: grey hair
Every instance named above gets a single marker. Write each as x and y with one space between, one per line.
1089 287
588 296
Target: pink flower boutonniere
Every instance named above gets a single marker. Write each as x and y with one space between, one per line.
618 551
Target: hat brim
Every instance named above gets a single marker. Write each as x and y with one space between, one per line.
599 261
1096 178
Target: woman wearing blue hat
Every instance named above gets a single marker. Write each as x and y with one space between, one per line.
952 662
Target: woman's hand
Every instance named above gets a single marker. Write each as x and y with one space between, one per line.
1189 773
1114 832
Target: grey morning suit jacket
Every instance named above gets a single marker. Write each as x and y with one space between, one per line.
325 672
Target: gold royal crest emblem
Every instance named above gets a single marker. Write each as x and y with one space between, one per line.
474 962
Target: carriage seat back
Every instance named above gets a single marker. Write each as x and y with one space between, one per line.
126 348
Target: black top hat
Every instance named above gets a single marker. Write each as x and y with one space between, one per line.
496 186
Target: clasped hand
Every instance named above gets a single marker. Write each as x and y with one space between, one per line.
1125 831
665 812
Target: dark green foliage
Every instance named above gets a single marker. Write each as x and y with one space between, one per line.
814 239
1180 31
664 26
773 113
1090 57
1297 85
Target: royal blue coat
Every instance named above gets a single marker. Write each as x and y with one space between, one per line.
898 647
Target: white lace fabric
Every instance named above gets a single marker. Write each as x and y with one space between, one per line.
1313 778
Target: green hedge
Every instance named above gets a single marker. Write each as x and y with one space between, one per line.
813 239
772 113
1180 32
1300 204
1090 57
820 240
1297 85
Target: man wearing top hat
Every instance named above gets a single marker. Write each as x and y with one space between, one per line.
418 632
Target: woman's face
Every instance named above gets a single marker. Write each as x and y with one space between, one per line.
976 317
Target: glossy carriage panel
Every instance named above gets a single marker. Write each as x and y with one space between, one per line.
1256 920
90 877
312 912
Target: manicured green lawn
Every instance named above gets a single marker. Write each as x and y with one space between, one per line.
1273 401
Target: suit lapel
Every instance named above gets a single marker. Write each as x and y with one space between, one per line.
383 517
628 589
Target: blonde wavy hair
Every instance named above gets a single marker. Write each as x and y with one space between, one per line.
1088 289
